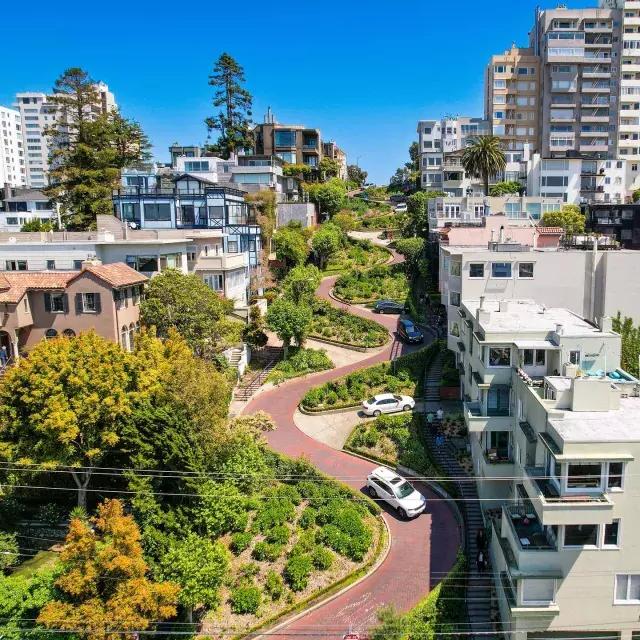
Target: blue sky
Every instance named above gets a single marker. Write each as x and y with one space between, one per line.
363 72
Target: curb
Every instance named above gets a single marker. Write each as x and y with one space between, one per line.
327 412
344 345
379 562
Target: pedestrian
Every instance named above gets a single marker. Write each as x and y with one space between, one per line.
440 414
481 539
480 561
4 356
430 419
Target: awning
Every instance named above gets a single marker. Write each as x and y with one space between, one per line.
536 344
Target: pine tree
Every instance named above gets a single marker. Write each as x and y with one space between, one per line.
233 121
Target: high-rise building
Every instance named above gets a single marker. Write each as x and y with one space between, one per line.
12 162
37 113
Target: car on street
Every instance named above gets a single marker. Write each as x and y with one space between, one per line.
409 332
387 403
388 306
401 207
387 485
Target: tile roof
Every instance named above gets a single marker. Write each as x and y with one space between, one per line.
116 274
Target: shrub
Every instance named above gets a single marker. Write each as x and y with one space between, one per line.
240 541
267 551
297 572
246 600
278 535
308 518
274 585
248 570
346 533
277 511
302 362
322 558
387 282
306 542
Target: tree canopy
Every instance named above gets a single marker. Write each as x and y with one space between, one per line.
418 213
326 242
301 283
329 196
570 218
630 343
289 321
484 158
291 244
233 121
356 174
505 188
104 583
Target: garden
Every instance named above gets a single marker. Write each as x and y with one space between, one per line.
300 362
384 221
387 282
335 325
404 375
355 254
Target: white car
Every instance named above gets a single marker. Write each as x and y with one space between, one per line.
387 403
401 208
396 491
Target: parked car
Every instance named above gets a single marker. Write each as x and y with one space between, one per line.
396 491
387 403
401 207
388 306
409 332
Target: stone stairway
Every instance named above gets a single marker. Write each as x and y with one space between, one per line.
234 358
267 357
479 584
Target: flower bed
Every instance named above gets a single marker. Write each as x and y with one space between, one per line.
339 326
404 375
387 282
300 363
361 254
378 223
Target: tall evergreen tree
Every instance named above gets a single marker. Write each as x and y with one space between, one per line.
89 150
233 121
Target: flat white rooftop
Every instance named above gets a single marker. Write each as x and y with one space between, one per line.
620 425
527 316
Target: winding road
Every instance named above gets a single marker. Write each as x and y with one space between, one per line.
421 550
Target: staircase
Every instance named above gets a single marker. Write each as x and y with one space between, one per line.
234 358
268 357
479 584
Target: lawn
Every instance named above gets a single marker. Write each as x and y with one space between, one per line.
339 326
299 363
404 375
387 282
356 254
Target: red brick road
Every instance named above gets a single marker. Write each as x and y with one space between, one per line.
421 548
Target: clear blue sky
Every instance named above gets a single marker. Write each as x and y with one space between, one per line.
363 72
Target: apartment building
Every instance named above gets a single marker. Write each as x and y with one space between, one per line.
512 94
554 427
618 221
45 305
441 144
37 113
332 150
12 166
21 205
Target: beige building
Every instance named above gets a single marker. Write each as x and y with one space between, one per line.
334 152
555 430
38 305
512 95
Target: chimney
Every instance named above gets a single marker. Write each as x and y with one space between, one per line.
559 329
481 306
91 261
606 324
501 236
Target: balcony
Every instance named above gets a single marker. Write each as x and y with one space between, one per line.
225 262
478 423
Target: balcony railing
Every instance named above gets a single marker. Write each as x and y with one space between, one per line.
528 530
551 495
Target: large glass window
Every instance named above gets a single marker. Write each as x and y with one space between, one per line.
580 535
500 269
253 178
130 211
195 166
285 138
143 264
476 270
525 270
157 212
498 400
584 475
499 356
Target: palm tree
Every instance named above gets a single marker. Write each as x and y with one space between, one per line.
484 158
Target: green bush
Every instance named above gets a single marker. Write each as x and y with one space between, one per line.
300 363
297 572
344 531
245 600
278 535
248 570
267 551
322 558
240 541
308 518
277 511
274 585
387 282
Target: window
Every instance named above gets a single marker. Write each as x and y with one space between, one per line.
581 535
50 333
158 212
574 357
525 270
476 270
69 333
77 265
627 589
288 156
232 246
538 591
215 282
584 475
51 265
16 265
456 268
454 299
196 166
88 302
611 534
143 264
12 220
499 356
55 302
615 471
498 402
541 358
285 138
500 269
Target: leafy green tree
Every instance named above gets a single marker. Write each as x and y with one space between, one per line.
356 174
414 155
65 405
233 121
104 583
329 168
36 225
345 220
301 171
570 218
9 550
291 245
413 251
630 335
418 213
505 188
301 283
484 158
326 242
88 152
185 303
636 195
329 197
198 566
289 321
254 334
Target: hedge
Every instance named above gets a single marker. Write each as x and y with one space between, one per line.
388 282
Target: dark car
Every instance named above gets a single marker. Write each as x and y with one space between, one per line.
409 332
388 306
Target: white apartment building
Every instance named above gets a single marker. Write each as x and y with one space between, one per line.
554 424
22 205
37 113
12 167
